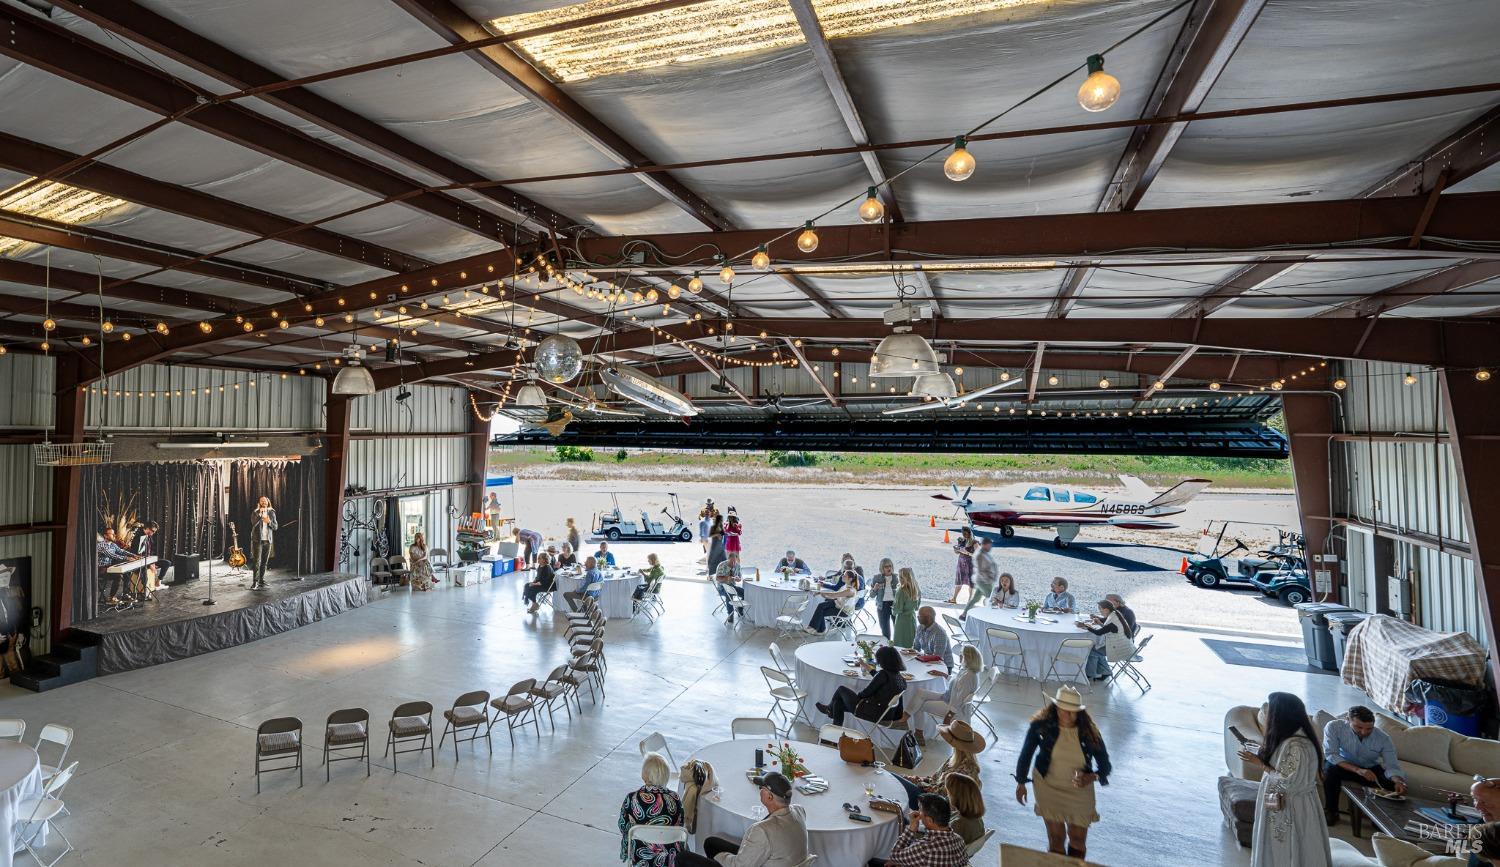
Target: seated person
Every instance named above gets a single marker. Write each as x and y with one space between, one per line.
654 803
109 553
967 744
1005 595
778 840
932 639
967 801
652 577
847 562
1355 751
927 840
567 558
591 575
727 581
1126 612
1484 840
1109 630
1059 601
542 581
792 564
603 557
835 600
870 703
944 706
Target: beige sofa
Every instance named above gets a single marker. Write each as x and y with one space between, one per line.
1434 758
1389 853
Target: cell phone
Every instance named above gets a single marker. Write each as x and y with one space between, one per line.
860 817
760 757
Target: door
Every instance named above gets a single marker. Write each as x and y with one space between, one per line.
413 519
1361 573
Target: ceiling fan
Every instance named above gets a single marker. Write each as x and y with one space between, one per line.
951 402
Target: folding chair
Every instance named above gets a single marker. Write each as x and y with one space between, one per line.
863 619
437 558
549 691
784 691
57 735
1073 652
1128 668
723 597
35 814
470 713
584 670
1005 644
780 662
957 637
752 727
840 625
411 721
12 730
518 703
973 849
789 616
279 738
346 731
655 835
974 709
657 743
880 731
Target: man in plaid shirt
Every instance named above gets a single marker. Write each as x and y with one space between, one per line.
926 841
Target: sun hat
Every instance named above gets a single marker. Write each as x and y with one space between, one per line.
960 736
1067 698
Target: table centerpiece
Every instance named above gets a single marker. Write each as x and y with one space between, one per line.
789 760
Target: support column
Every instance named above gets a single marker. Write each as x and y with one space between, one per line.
336 441
479 455
1472 413
1310 428
67 427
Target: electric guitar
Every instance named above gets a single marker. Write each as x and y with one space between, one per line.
236 557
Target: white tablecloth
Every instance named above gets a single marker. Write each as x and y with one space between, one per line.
764 598
837 840
20 776
1040 640
615 599
820 670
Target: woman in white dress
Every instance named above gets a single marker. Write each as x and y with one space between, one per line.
1290 828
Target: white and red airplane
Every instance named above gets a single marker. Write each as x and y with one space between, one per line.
1069 509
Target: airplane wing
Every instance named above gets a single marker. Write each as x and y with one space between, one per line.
1180 493
1136 489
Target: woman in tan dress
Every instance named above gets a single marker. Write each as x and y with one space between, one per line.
1069 758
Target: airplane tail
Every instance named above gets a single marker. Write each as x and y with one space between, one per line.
1180 493
1136 489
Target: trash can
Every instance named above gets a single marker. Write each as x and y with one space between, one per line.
1316 640
1340 624
1454 706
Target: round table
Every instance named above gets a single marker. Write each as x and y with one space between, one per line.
1040 640
820 670
764 598
616 597
20 776
831 834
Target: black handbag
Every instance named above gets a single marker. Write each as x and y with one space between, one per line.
908 752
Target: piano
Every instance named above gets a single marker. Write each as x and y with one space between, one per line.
131 565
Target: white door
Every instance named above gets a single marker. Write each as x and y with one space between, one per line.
1360 578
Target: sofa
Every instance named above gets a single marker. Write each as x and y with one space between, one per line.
1435 759
1390 852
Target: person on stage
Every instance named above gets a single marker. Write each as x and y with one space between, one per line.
110 554
145 546
262 541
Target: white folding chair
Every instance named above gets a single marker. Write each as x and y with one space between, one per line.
974 709
437 559
841 625
957 637
655 835
1074 653
780 662
56 734
1128 668
34 815
830 734
656 743
752 727
864 620
789 616
784 691
975 847
1006 651
882 732
12 730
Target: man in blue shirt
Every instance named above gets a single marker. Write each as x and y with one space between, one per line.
109 553
603 557
1357 752
930 638
1059 601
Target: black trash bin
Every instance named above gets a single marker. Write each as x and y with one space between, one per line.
1316 639
1340 624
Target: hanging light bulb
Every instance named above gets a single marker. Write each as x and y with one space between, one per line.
1276 386
761 260
1482 374
249 326
1158 385
726 274
674 291
1104 382
125 335
46 346
87 341
872 209
285 324
106 326
1005 376
161 328
318 321
49 324
1214 386
959 164
695 285
205 327
1340 384
1052 380
1410 378
1100 89
807 242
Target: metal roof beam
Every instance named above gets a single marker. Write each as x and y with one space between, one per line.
1454 278
1166 375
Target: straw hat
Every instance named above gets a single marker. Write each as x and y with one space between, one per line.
1067 698
961 737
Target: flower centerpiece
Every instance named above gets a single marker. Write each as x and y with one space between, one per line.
789 760
867 651
1032 607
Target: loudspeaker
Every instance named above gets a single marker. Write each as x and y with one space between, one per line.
184 569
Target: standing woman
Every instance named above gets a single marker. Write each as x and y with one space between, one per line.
575 539
1070 758
883 591
904 609
421 570
963 574
732 532
262 541
716 553
1290 828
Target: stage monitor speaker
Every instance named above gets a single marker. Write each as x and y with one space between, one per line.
184 568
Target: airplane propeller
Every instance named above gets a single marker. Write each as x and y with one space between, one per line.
954 401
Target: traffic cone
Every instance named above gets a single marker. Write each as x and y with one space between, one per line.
1183 567
932 521
946 540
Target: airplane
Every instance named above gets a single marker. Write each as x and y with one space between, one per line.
1069 509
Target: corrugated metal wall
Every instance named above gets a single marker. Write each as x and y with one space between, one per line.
26 384
25 498
206 399
429 409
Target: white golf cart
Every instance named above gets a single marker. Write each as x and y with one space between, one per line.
615 524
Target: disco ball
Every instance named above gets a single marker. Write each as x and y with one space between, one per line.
559 358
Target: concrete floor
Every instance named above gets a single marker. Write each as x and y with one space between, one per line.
165 752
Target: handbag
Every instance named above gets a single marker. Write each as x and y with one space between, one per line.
856 751
908 752
1275 802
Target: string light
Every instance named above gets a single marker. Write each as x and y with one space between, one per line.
1482 374
726 274
1410 378
49 324
1100 90
1214 386
871 210
960 164
249 326
1104 382
807 242
1052 380
761 261
674 292
106 326
1340 384
695 285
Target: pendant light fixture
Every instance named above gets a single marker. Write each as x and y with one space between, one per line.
532 395
960 164
903 353
872 209
353 379
807 242
1100 89
761 261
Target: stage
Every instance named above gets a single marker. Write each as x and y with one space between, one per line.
176 624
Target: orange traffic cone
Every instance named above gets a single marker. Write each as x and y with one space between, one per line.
932 521
1183 567
946 540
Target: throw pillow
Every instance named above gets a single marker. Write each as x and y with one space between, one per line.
1425 745
1390 852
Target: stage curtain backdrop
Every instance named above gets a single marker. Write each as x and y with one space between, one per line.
296 491
181 496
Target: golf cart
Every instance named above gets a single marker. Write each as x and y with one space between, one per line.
1279 571
613 525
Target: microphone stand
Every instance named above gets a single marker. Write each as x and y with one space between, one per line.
210 599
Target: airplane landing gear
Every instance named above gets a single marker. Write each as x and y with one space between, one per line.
1007 531
1059 544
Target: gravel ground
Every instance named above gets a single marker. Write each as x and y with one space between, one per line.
822 523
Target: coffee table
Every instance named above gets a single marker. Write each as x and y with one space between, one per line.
1392 817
